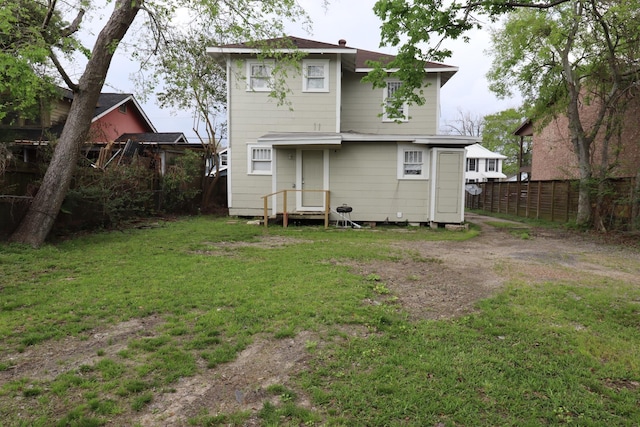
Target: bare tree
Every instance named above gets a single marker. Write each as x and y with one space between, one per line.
465 123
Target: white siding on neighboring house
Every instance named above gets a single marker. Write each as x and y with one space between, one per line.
483 164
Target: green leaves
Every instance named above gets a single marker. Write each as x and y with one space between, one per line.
497 135
28 33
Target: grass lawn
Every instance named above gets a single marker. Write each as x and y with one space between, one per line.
548 353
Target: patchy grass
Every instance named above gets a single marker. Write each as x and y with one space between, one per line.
535 354
507 225
531 222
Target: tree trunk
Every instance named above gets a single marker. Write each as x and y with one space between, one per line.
39 220
635 203
584 187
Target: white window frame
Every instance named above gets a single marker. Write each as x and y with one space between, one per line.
404 150
250 78
306 63
385 96
255 156
495 165
475 164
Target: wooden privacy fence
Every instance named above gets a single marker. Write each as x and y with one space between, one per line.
553 200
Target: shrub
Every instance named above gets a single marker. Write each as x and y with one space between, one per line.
181 183
99 198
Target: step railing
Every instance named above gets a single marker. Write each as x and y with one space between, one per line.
285 213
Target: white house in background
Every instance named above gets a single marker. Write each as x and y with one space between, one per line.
483 164
333 143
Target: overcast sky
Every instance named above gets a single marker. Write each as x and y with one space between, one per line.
354 21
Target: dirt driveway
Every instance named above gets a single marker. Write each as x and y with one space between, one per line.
445 279
431 280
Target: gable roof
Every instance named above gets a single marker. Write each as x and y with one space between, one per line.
109 101
477 151
525 129
357 58
286 43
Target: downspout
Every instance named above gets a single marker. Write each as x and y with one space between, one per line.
338 92
438 81
229 139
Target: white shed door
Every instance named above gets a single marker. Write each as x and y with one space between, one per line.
449 180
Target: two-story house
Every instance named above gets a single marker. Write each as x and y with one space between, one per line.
483 164
332 144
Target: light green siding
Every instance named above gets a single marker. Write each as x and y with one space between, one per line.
254 114
362 108
364 176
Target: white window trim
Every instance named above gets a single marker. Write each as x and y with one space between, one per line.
325 64
495 165
270 64
402 148
250 170
405 106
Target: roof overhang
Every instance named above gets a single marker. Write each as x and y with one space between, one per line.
302 139
525 129
335 140
216 50
493 175
223 53
445 72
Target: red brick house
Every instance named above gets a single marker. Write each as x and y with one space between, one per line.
553 156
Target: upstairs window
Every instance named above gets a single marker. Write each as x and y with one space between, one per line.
492 165
472 165
259 160
259 76
315 75
402 113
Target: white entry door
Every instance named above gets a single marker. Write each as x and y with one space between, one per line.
312 177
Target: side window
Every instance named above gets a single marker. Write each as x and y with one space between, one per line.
315 75
472 165
259 76
259 160
403 113
491 165
412 163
